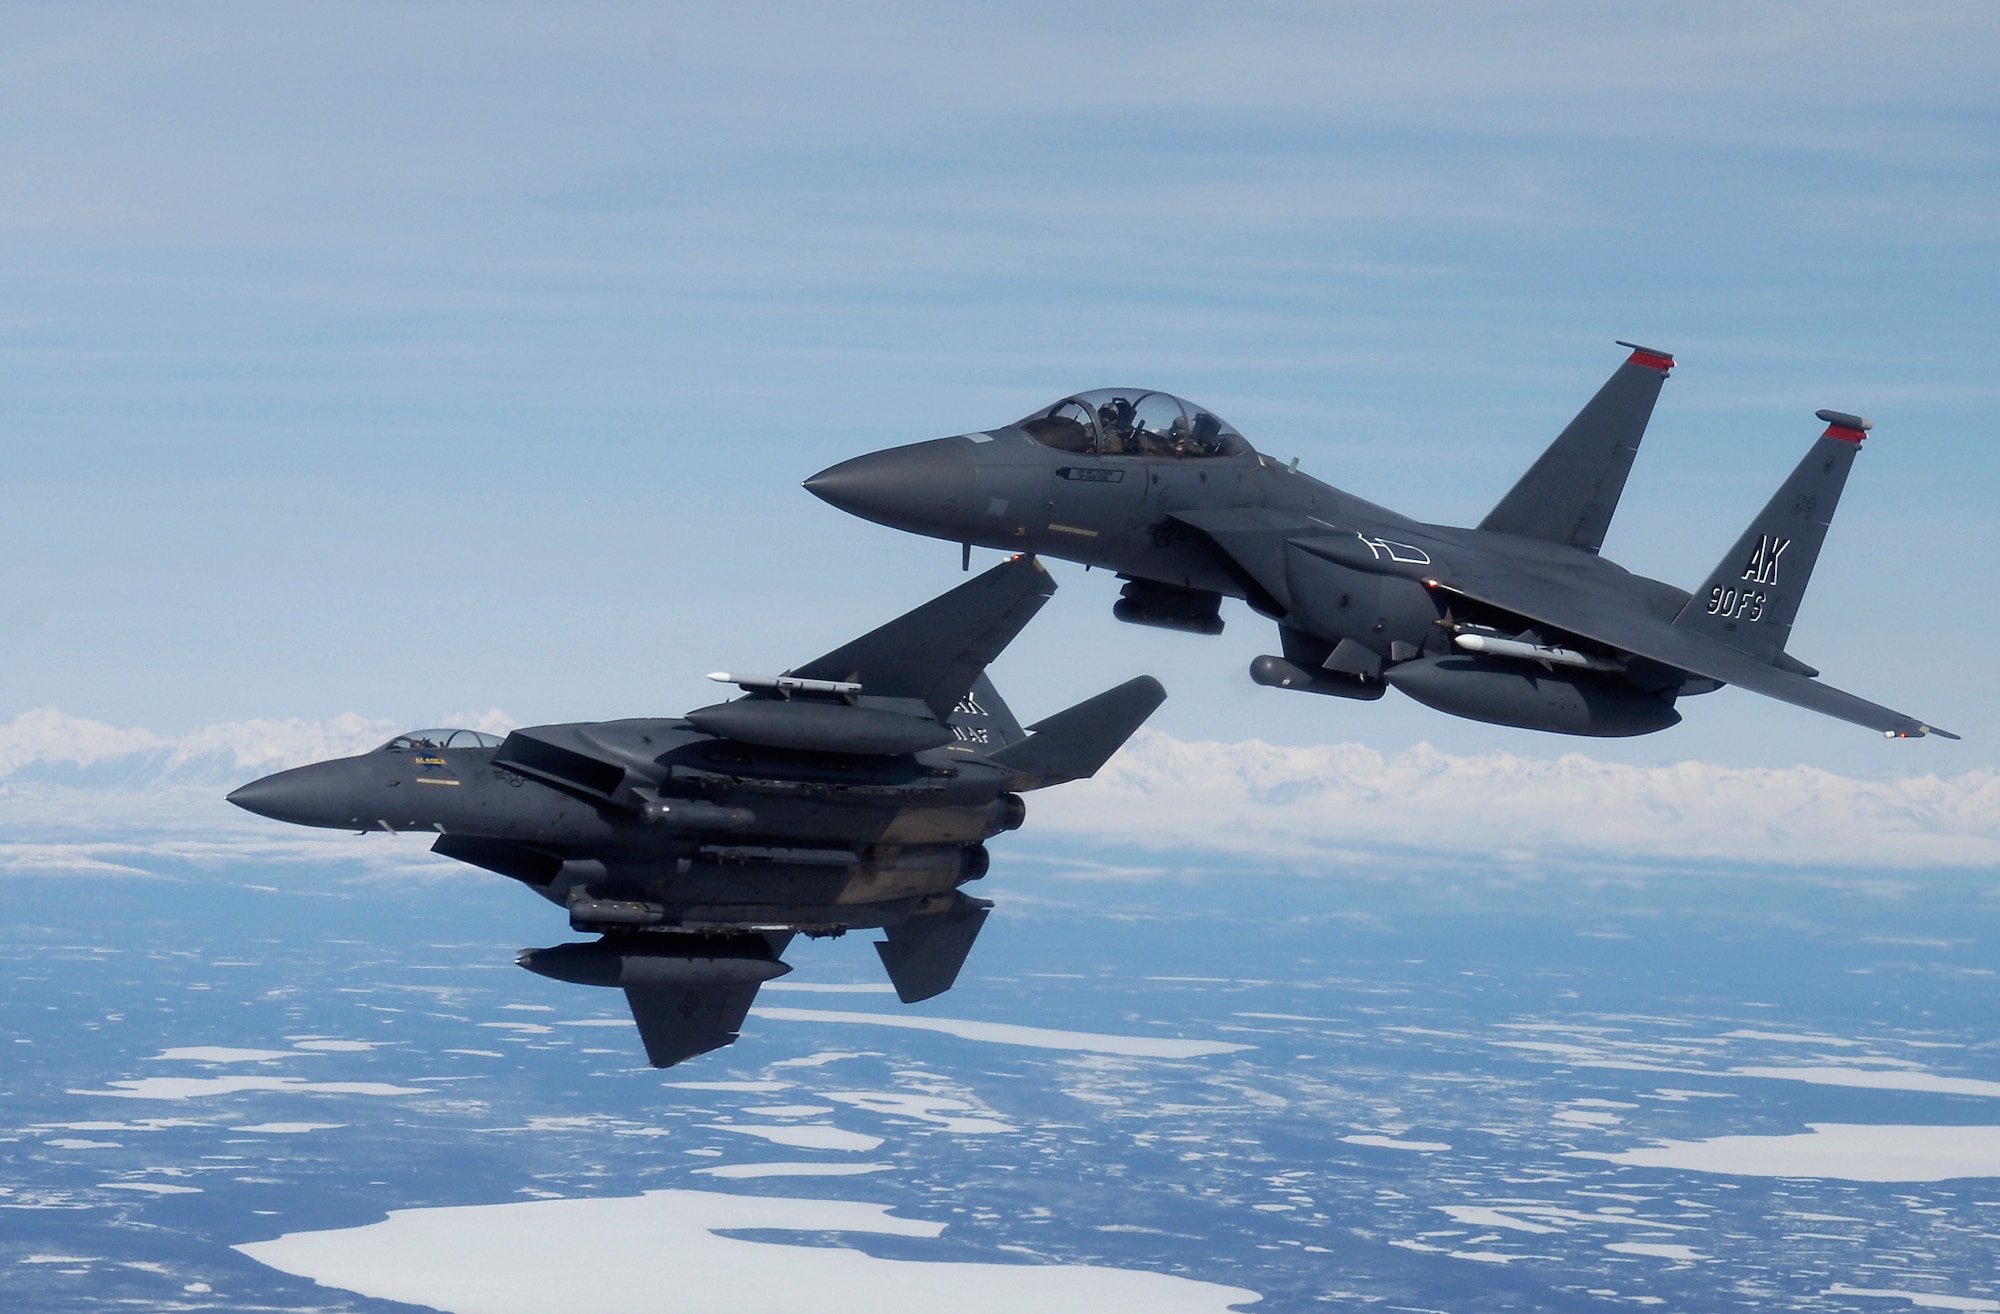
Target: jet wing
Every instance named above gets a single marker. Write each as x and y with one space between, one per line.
1560 605
938 651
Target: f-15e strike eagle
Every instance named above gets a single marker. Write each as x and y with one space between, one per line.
1517 621
853 792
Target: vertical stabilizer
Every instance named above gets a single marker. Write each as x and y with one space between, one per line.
1569 495
1752 596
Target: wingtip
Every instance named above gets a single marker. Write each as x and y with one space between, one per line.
1920 732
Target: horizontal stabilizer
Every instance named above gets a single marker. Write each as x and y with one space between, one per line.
1569 494
924 954
678 1022
1073 744
1557 605
936 652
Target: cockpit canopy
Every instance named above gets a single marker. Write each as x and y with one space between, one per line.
1133 422
434 739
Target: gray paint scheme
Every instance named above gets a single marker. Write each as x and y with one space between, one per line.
1517 621
696 848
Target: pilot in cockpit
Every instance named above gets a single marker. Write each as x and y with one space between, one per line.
1203 439
1114 427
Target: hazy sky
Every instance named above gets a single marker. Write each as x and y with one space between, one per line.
411 360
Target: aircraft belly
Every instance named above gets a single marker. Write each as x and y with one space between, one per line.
879 883
961 825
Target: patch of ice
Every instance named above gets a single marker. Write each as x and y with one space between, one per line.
493 1259
1921 1299
789 1110
753 1087
338 1046
1791 1038
1530 1217
137 1124
220 1054
1845 1151
1585 1118
928 1108
742 1170
153 1188
802 1136
1655 1249
1008 1033
1865 1079
828 988
289 1128
1482 1216
76 1143
190 1088
1391 1143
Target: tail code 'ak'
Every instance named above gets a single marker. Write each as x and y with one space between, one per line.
1749 601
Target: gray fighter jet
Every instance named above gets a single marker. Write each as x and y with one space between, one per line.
852 792
1518 621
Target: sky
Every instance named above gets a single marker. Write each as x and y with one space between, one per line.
418 362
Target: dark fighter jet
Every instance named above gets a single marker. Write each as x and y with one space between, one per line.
1518 621
852 792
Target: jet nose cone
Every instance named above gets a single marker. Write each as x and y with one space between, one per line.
927 488
318 795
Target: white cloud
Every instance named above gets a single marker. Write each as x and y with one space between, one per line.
85 796
46 740
1339 802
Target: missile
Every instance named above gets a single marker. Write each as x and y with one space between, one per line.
682 960
787 685
1495 646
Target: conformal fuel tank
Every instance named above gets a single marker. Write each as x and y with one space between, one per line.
1512 693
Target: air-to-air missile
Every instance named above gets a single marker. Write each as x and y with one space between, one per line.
854 792
1518 621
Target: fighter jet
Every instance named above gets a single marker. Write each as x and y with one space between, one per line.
1517 621
853 792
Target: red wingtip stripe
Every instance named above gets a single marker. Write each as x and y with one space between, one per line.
1651 360
1845 434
